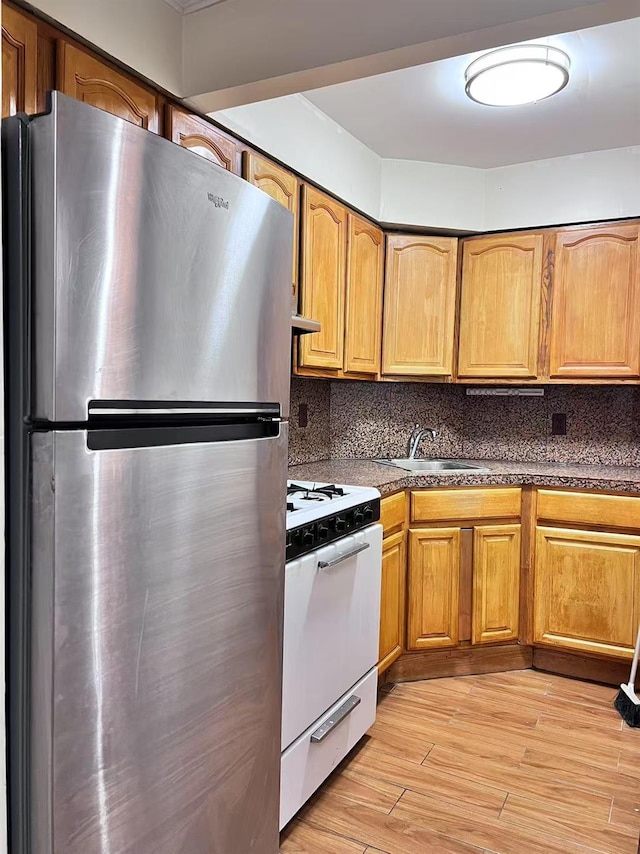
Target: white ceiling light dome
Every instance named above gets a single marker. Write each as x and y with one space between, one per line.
519 74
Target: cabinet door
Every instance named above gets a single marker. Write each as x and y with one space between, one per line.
587 590
365 271
19 62
202 138
86 78
324 258
419 306
496 583
392 602
434 588
282 186
595 315
500 306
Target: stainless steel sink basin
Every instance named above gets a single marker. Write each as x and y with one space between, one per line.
451 466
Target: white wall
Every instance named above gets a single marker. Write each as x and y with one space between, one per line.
578 188
144 34
434 195
298 133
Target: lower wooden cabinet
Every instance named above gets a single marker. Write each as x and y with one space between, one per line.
587 591
496 583
392 607
434 588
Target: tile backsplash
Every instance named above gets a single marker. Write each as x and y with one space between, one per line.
359 419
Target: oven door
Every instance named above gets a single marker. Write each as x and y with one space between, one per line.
331 626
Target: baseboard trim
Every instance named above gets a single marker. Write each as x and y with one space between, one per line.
465 661
608 671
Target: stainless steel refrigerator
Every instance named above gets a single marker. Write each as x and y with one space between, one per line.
147 315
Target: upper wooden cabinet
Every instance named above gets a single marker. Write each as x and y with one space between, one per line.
496 583
419 306
86 78
202 138
324 247
365 270
19 62
282 186
595 312
500 306
587 590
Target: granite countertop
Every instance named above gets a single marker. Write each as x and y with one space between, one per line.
502 472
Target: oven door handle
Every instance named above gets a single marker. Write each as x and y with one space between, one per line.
327 564
336 718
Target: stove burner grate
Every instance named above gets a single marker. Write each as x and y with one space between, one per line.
319 493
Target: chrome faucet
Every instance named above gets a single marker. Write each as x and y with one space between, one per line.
417 436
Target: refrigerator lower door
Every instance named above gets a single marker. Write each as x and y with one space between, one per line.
157 606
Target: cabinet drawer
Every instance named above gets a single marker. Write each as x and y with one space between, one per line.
442 505
582 508
392 512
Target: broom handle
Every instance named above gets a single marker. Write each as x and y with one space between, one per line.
634 664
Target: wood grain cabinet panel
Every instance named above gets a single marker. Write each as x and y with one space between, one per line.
419 306
589 509
500 306
284 187
86 78
365 270
587 591
496 583
434 588
393 512
19 62
444 505
392 602
595 315
323 279
202 138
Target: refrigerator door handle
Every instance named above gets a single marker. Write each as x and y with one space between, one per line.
182 409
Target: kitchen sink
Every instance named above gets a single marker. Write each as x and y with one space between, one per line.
452 466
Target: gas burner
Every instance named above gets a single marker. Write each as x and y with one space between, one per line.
315 492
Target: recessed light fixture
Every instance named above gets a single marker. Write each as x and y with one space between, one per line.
520 74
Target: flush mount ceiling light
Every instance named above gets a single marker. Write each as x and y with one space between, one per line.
521 74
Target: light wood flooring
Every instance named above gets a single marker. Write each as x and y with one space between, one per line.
511 763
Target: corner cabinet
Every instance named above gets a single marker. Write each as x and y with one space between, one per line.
284 187
587 591
419 306
365 270
202 138
19 62
595 312
341 287
500 306
86 78
392 600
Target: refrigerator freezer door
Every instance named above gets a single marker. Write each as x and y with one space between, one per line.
158 276
157 637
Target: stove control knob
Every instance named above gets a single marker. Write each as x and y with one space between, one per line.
323 532
297 538
368 514
341 525
307 538
358 517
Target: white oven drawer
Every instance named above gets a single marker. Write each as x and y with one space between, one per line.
306 763
331 626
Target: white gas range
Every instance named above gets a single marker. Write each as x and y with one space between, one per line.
331 631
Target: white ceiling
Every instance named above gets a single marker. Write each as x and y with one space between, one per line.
240 51
422 113
186 7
